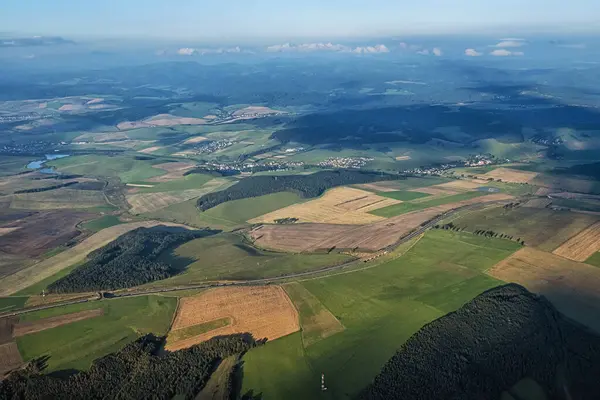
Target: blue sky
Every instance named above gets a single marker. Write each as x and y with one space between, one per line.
231 19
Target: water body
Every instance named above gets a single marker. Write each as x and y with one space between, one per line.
40 163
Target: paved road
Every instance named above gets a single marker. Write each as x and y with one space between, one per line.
255 282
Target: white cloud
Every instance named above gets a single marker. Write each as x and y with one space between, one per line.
472 53
506 53
437 51
509 43
186 51
339 48
514 39
423 52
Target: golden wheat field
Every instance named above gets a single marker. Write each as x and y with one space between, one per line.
512 175
342 205
263 311
581 246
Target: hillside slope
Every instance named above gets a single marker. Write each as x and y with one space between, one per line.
482 350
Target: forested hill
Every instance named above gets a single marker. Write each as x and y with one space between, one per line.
489 347
312 185
131 260
135 372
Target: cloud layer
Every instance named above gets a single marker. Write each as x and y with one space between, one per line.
189 51
505 53
339 48
472 53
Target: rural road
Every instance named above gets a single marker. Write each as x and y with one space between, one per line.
254 282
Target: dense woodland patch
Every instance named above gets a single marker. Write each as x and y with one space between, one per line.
138 371
307 186
131 260
482 350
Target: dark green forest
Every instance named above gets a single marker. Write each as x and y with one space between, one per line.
131 260
501 337
307 186
138 371
47 188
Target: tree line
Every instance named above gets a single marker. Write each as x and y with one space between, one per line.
487 346
307 186
131 260
138 371
47 188
480 232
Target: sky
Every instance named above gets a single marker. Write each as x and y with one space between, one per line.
270 19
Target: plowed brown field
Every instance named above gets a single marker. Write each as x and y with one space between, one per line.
512 175
26 328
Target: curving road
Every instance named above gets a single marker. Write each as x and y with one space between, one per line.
254 282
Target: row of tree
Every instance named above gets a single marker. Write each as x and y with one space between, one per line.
480 232
135 372
483 349
307 186
47 188
131 260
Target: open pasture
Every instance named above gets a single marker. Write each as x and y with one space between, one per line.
175 170
573 287
264 311
341 205
581 246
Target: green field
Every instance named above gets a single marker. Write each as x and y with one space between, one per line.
103 222
76 345
195 330
404 195
226 216
380 307
412 183
594 260
127 168
10 165
227 257
540 227
11 303
402 208
192 181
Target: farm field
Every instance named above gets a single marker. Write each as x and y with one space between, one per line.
405 184
405 207
594 260
175 171
76 345
187 213
103 222
539 227
405 195
227 257
9 357
263 311
571 286
64 198
46 268
316 321
218 386
380 307
342 205
581 246
11 303
147 202
371 237
27 328
178 183
511 175
127 168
